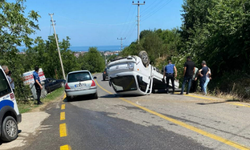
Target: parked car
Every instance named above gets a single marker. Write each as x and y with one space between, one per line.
105 75
80 83
9 113
53 84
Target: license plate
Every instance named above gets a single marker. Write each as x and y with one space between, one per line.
81 85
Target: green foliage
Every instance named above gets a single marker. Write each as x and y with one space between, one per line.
15 29
92 61
45 55
218 32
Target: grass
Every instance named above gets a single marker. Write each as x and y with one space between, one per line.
30 105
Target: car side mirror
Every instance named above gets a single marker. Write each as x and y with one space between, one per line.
95 77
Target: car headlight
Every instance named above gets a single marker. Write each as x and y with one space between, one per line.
131 66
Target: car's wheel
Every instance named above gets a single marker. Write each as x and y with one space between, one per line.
144 57
68 98
103 78
9 129
95 96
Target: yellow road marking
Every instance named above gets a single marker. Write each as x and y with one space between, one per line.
64 96
63 107
63 130
65 147
62 116
187 126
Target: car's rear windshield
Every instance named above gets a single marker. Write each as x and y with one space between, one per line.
4 85
79 76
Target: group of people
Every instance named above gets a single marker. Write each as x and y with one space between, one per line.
37 81
191 75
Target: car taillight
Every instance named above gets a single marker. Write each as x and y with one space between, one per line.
104 72
12 96
93 83
67 86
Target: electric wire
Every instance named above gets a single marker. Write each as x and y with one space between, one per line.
155 11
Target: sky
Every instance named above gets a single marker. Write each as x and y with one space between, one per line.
101 22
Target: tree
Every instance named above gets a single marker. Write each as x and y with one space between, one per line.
92 61
15 29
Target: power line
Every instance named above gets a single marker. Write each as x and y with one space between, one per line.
122 31
155 11
59 53
128 27
153 5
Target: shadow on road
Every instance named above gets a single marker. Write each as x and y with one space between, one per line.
79 98
2 142
227 101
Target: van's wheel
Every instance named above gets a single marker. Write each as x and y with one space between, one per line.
144 57
9 129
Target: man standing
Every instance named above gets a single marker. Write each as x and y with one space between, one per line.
169 71
203 73
189 69
38 85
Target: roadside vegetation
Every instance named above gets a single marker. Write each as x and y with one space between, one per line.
29 105
215 31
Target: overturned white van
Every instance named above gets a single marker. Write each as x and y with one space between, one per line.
134 75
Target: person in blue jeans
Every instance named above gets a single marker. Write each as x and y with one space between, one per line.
203 75
189 70
208 78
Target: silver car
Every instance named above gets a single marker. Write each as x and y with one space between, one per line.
80 83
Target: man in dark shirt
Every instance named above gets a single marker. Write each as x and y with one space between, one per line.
170 72
189 69
38 85
203 73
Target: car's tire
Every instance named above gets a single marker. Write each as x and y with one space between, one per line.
9 129
95 96
68 98
144 57
103 78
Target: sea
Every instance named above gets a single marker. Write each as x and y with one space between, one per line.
99 48
111 48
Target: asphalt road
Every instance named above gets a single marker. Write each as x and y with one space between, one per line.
154 122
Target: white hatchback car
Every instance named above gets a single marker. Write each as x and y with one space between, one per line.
80 83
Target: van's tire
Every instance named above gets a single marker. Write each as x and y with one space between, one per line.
144 57
9 129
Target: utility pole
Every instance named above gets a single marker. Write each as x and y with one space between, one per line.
59 53
121 41
138 18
